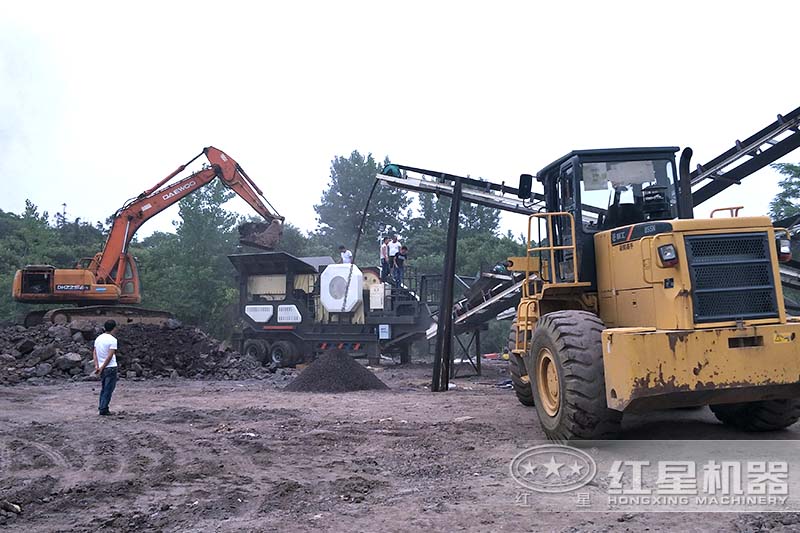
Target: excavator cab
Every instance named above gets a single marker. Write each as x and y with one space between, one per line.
46 283
37 279
127 280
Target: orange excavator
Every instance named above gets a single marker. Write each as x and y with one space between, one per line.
99 284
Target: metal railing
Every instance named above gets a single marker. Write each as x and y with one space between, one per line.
548 274
551 268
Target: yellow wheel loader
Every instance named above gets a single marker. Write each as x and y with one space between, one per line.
628 308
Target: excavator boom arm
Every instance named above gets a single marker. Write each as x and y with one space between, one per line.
154 200
236 179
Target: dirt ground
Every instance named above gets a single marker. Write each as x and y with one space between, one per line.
183 455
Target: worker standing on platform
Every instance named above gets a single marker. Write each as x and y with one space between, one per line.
399 265
394 249
385 265
347 255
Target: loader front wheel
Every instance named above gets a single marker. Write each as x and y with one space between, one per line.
519 374
768 415
569 388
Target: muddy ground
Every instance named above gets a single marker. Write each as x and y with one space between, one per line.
184 455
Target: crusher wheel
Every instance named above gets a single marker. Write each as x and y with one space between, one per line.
283 353
257 349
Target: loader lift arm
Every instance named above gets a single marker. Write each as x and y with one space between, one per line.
109 264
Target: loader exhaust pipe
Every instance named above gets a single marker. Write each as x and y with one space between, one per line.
685 200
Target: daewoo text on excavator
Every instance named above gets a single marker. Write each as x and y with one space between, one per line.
99 284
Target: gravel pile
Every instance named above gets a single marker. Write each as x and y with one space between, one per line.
173 351
48 352
335 371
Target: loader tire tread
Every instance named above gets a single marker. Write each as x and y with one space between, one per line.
574 338
767 415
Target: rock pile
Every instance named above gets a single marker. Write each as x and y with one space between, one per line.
335 371
46 352
173 350
42 351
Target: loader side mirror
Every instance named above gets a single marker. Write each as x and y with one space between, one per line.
525 186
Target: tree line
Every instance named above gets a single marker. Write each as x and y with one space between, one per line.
188 273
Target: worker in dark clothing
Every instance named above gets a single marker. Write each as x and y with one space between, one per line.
399 265
502 267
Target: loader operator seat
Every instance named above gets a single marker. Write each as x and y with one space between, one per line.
623 215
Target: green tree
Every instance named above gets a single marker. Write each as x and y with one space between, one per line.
31 239
479 244
342 204
478 249
189 273
785 204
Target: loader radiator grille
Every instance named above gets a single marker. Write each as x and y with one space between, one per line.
731 277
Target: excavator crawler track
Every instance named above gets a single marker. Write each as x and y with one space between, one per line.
100 313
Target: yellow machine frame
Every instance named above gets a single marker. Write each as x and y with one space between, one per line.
663 359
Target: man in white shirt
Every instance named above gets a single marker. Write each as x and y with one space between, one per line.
105 364
347 255
394 249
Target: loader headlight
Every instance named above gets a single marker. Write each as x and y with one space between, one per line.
668 255
784 250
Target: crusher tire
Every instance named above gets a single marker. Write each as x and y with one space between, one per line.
767 415
283 353
519 374
568 379
257 349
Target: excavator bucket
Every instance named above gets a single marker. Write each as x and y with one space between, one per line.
260 235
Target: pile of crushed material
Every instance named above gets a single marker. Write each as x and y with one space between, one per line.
46 352
335 371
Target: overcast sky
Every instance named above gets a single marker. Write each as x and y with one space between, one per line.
100 100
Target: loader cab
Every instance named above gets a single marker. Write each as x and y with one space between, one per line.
604 190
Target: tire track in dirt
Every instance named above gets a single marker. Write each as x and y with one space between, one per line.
232 456
27 455
146 452
107 458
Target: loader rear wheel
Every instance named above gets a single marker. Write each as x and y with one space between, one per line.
519 374
569 382
768 415
283 353
257 349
